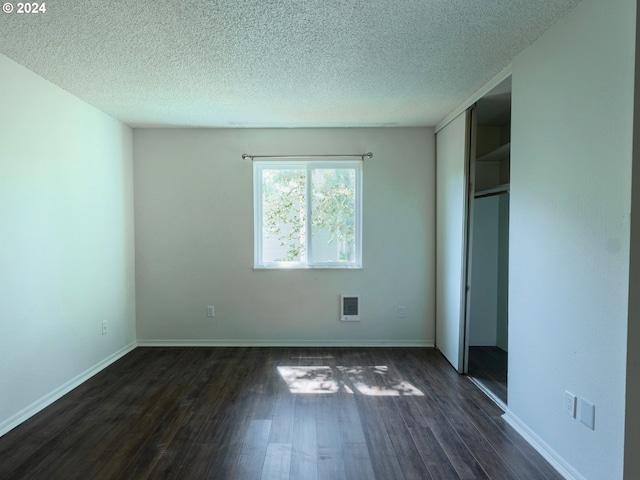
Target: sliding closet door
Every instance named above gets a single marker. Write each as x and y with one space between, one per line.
452 160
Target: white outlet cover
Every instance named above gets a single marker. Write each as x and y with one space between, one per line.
587 413
570 404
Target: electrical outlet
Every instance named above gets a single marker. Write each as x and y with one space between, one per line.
104 327
587 413
210 312
570 404
402 312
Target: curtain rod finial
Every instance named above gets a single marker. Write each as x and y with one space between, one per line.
369 155
245 157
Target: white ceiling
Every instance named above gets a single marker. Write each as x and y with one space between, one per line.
275 63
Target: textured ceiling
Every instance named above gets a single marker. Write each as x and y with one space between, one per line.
275 63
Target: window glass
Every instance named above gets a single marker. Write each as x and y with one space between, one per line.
307 214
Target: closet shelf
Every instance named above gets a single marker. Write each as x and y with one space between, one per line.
500 153
497 190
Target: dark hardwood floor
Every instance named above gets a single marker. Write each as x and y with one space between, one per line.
488 365
231 413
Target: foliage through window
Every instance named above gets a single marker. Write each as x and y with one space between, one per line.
307 214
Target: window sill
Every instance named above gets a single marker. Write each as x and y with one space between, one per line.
307 267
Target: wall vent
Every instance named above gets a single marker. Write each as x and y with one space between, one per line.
350 308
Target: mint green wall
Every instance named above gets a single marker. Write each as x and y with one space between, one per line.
66 262
571 159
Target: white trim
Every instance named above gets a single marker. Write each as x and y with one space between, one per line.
304 266
59 392
481 92
285 343
308 166
549 454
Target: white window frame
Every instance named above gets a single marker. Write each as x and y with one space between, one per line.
309 165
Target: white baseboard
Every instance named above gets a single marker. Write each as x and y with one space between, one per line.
51 397
549 454
283 343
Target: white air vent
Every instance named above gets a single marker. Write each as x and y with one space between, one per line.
350 308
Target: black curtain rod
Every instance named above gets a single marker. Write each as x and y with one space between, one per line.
368 155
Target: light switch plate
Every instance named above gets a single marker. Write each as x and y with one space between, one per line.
587 413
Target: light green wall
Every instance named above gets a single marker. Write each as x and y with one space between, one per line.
66 223
571 158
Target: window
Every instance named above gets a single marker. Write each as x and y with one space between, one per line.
307 214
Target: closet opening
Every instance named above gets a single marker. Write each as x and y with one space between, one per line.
487 323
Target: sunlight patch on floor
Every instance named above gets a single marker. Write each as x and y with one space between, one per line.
309 379
374 381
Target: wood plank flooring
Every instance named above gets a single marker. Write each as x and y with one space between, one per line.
231 413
